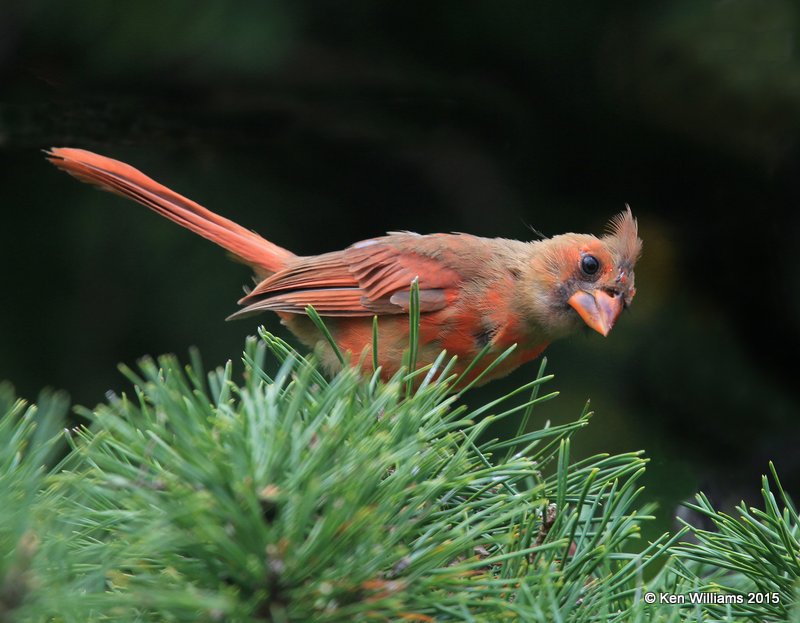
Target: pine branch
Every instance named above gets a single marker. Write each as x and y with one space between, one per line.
754 556
28 436
294 498
287 496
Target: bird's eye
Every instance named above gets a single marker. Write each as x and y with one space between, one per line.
589 264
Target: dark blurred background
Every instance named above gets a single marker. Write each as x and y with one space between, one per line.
319 124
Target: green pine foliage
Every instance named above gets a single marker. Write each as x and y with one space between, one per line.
296 499
292 497
28 438
755 557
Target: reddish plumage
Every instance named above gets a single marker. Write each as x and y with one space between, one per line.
473 291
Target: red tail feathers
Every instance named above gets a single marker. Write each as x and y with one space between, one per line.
124 180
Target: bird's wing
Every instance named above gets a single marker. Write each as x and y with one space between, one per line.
368 278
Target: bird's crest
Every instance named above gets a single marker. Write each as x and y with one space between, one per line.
622 237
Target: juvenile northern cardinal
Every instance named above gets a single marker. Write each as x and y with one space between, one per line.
473 291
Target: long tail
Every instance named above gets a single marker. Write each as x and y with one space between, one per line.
123 179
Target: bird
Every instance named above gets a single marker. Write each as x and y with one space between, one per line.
476 294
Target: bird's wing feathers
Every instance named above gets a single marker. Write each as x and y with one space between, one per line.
368 278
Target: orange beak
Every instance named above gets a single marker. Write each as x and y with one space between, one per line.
598 309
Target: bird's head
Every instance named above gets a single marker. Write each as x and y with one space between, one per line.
581 279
